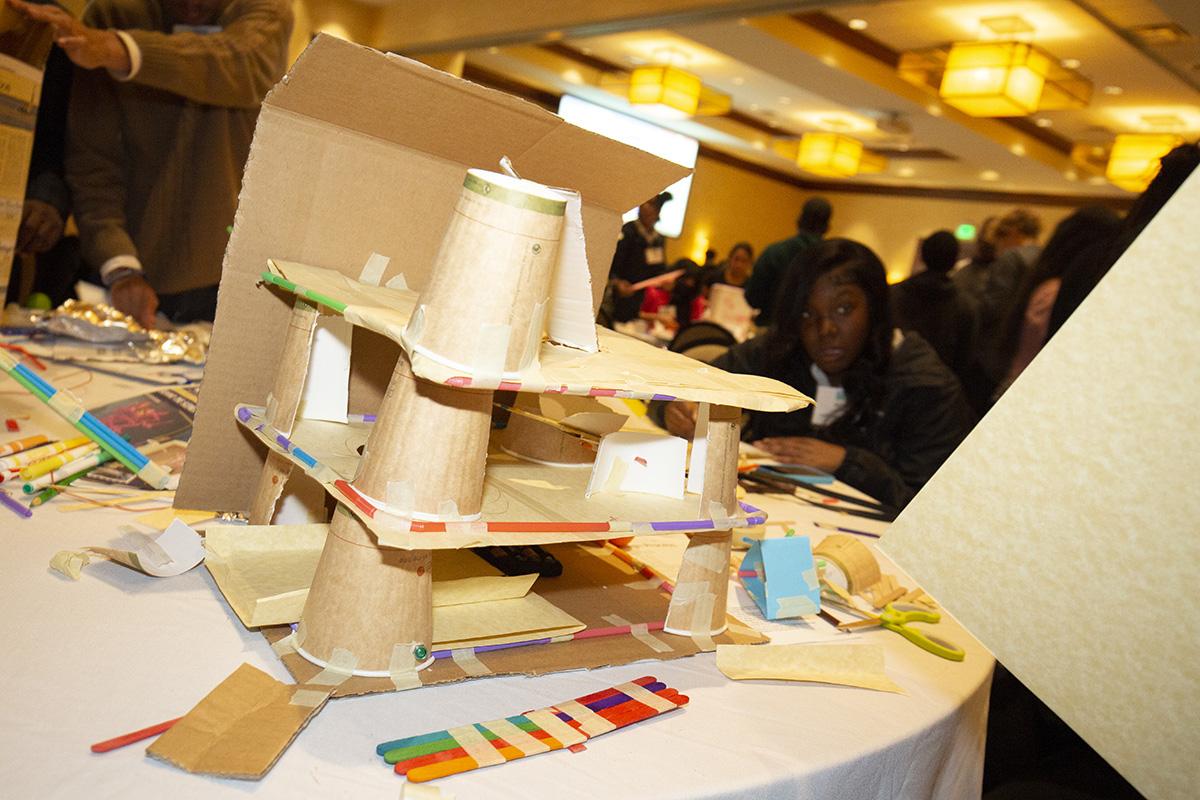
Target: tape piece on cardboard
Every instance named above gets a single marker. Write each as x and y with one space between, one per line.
475 745
469 663
589 721
548 721
402 668
309 697
641 632
338 669
372 271
523 741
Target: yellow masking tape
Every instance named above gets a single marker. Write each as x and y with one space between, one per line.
469 662
402 668
528 745
309 698
548 721
480 749
338 669
589 721
646 697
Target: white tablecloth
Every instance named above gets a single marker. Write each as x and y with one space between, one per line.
118 651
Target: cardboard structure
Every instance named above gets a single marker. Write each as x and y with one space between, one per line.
1063 531
367 201
358 152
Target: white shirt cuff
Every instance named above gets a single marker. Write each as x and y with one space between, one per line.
119 262
135 57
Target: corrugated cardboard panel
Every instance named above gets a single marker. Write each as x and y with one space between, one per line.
359 152
1065 531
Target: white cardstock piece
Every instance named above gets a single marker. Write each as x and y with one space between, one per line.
652 464
327 385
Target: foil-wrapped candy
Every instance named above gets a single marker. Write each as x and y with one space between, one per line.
102 324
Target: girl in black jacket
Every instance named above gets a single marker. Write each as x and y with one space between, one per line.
890 412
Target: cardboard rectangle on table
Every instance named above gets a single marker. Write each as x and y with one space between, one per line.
265 573
589 589
240 728
357 152
1063 531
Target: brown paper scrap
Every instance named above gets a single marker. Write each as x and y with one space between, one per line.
847 665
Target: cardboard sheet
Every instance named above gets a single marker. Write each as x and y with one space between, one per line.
843 664
241 727
1063 532
265 573
622 364
357 152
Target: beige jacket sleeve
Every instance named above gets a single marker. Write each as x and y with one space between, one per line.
95 168
234 67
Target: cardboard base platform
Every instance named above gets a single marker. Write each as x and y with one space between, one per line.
593 585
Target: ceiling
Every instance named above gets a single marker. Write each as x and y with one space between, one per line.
796 67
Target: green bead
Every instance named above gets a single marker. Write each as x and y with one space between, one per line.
420 653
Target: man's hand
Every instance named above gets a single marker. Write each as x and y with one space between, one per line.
134 297
680 418
804 450
41 227
89 48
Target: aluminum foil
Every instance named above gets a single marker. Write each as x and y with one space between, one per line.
123 338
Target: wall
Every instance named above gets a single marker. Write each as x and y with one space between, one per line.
729 204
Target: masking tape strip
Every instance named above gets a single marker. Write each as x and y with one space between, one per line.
372 271
722 519
809 576
309 698
523 741
646 697
285 646
402 668
66 404
548 721
641 632
798 605
701 625
491 352
853 558
397 282
478 748
271 411
707 556
738 629
688 591
474 528
154 475
339 668
469 662
533 339
589 721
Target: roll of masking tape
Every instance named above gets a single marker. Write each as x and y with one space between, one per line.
848 560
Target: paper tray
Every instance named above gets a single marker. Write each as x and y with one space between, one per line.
624 366
524 503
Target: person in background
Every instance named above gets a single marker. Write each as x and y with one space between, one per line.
736 270
640 254
764 287
972 276
47 198
162 111
888 411
1084 272
1024 330
1016 246
932 305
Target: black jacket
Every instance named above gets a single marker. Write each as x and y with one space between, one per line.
932 305
924 417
